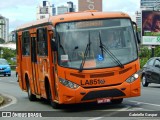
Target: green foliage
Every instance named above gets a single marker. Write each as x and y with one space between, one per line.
157 51
143 61
8 54
145 54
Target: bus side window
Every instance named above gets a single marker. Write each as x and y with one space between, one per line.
26 43
42 42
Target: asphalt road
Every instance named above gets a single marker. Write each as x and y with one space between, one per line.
149 101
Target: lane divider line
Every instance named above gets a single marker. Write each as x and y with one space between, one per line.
138 102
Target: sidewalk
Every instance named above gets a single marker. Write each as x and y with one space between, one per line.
1 100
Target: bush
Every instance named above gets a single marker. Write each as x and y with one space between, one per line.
8 54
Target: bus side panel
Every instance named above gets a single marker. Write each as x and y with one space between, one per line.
19 62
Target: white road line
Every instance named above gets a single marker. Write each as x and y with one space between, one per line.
14 101
111 114
138 102
96 118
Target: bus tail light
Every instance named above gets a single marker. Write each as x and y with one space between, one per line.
132 78
68 84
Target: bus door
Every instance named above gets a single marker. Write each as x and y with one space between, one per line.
19 63
54 63
34 64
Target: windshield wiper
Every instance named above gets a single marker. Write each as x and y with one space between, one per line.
106 50
85 54
101 45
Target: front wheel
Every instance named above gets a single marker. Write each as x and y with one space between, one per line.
31 97
117 101
53 104
144 81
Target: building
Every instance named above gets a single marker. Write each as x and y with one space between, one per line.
4 28
89 5
53 10
44 10
64 9
12 36
138 19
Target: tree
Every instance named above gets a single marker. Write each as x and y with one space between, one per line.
8 54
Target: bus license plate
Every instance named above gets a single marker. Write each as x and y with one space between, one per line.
103 100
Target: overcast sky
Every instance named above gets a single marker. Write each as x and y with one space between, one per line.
22 11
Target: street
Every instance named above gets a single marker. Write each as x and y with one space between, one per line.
148 101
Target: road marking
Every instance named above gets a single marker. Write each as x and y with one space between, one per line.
96 118
111 114
144 103
13 101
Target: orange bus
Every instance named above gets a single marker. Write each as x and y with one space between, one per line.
68 58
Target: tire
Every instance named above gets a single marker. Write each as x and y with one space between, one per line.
31 97
4 75
144 81
117 101
9 75
52 103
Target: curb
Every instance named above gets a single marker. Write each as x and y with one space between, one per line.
1 100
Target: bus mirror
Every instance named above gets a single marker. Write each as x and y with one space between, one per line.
136 32
53 43
138 37
54 31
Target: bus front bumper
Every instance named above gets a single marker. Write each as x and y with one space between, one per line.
81 95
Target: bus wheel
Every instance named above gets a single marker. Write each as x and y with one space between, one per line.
53 104
117 101
31 97
144 81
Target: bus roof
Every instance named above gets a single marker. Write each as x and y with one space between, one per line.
74 16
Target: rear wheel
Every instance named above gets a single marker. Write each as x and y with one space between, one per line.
53 104
4 74
31 97
144 81
117 101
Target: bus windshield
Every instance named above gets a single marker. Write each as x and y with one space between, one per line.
81 43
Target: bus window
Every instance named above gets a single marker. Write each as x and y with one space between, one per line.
42 42
26 43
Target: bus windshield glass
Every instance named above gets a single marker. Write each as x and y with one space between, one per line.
88 42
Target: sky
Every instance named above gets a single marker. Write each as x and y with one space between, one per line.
22 11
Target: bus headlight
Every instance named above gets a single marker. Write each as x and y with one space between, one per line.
132 78
68 83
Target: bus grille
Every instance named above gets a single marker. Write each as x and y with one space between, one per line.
102 75
103 94
77 75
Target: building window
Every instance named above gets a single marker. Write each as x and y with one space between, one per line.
42 16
